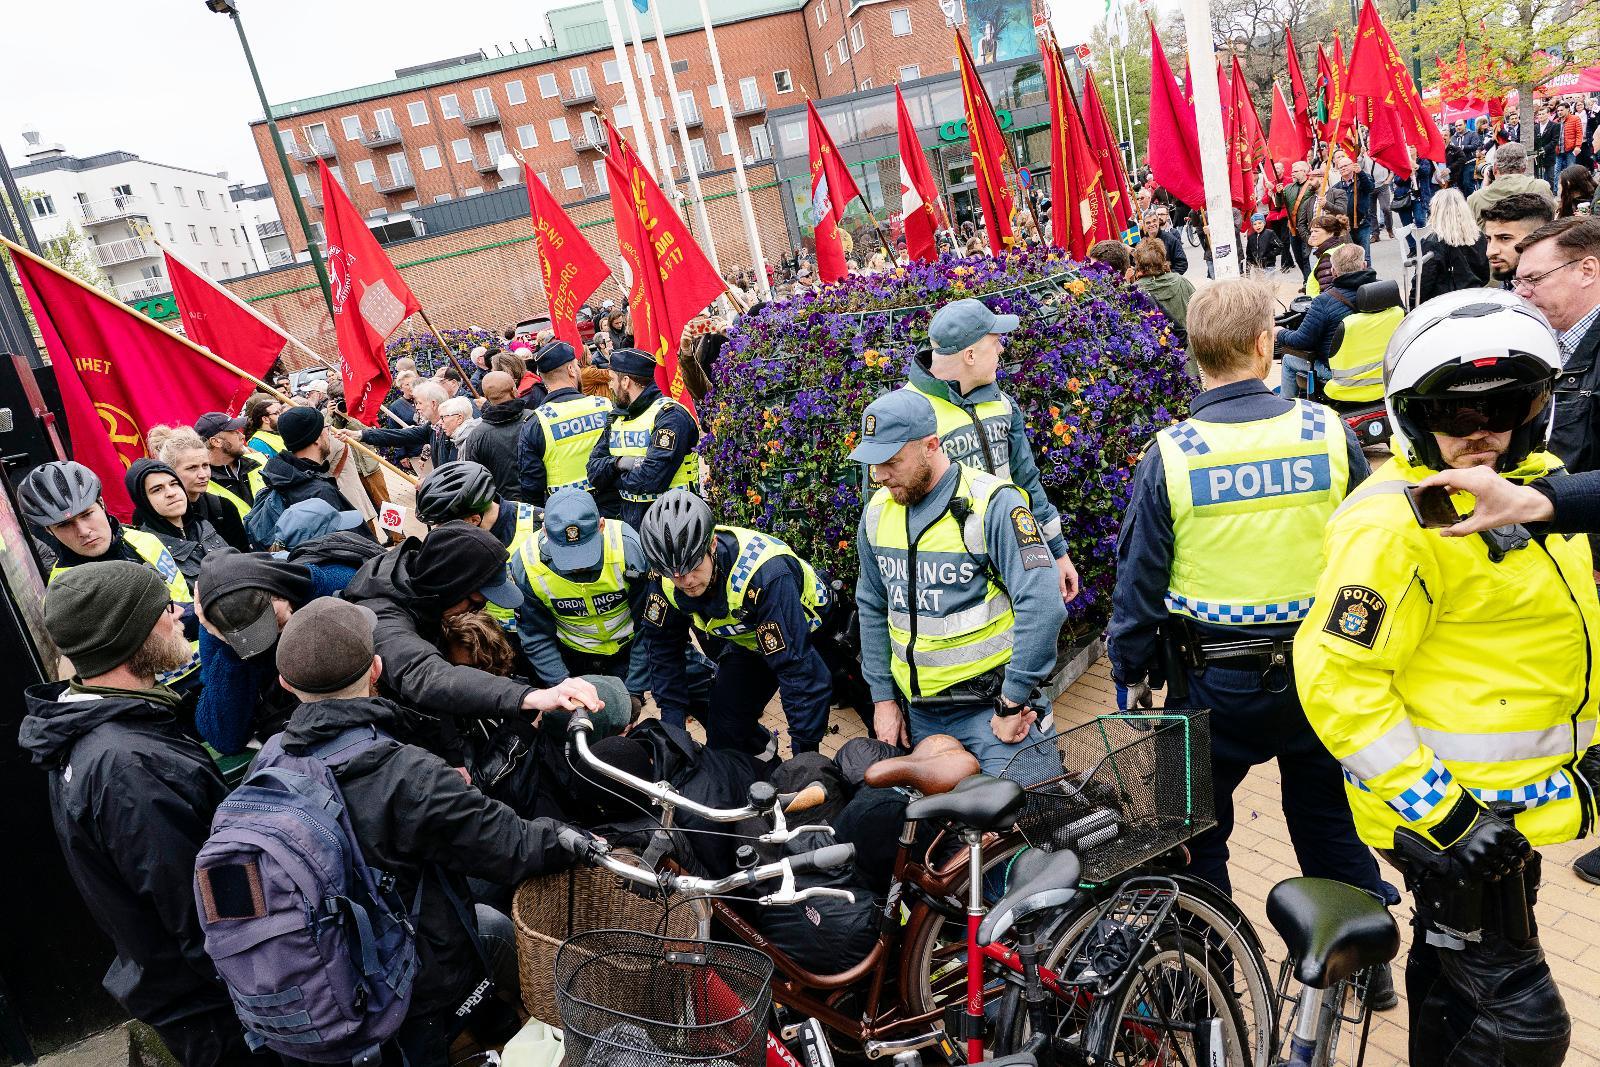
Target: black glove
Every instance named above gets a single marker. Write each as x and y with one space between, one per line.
1492 847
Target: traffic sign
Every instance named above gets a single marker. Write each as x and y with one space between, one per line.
1025 177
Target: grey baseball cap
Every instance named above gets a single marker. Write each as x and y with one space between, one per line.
572 531
891 422
963 323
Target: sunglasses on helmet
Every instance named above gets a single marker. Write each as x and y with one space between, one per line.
1464 414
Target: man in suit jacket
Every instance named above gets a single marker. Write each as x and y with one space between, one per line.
1558 270
1547 144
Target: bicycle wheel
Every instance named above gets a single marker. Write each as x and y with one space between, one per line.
1191 233
1172 1009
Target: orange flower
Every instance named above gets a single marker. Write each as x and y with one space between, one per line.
1073 385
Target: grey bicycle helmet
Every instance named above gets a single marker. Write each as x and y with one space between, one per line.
677 532
56 491
454 491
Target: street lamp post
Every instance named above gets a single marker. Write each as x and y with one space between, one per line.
231 9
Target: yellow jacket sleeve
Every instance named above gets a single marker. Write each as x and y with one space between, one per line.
1373 608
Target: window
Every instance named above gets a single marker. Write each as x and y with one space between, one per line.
608 71
462 150
548 86
844 55
226 270
450 107
418 110
725 143
714 96
858 38
483 101
559 131
399 169
319 235
581 86
365 172
600 176
472 190
410 205
442 197
572 177
827 61
911 73
352 127
338 175
900 22
624 117
592 128
686 105
866 83
172 235
750 92
527 136
384 118
782 82
194 235
204 202
515 93
44 206
697 150
430 157
494 146
234 234
216 236
205 266
544 178
155 192
822 13
183 198
760 143
286 138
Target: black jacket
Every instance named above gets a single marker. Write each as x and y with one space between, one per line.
1547 139
131 797
413 814
224 518
1261 249
237 479
415 671
296 479
494 444
412 439
1176 257
1450 267
1576 438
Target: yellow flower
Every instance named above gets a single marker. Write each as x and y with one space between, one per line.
1078 286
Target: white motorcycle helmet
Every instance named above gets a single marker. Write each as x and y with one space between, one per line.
1471 360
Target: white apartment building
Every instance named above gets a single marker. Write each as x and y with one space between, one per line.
124 205
260 212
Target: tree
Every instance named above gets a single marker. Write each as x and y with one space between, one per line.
72 251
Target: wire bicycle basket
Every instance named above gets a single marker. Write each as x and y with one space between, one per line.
1119 790
631 999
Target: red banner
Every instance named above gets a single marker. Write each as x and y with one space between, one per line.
119 373
214 318
1174 151
919 197
1297 85
572 270
673 281
832 189
1081 216
1106 149
370 300
988 154
1379 74
1286 139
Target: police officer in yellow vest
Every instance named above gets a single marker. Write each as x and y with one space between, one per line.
753 604
235 472
648 447
558 435
261 411
957 593
980 426
62 499
583 584
1453 677
464 491
1220 551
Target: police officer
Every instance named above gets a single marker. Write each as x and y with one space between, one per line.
1452 677
649 446
979 425
959 603
465 491
63 500
557 437
753 604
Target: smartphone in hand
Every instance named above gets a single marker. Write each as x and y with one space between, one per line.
1433 507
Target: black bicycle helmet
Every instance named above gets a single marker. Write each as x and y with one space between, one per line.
55 492
454 491
677 532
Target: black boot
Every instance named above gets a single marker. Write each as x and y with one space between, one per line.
1587 866
1380 994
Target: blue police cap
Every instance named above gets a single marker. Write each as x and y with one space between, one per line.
633 362
891 422
553 355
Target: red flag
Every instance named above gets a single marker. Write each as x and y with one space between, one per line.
1253 138
119 373
1241 180
1378 73
1386 139
1174 150
1109 152
1081 215
1287 138
370 300
832 189
218 320
919 197
570 266
1297 85
673 281
988 153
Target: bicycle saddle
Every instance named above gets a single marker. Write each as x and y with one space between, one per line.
936 765
1331 929
980 802
1039 880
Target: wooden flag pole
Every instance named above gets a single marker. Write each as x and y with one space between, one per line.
17 250
454 362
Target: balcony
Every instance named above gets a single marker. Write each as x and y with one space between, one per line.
128 251
485 164
690 121
489 116
577 99
396 183
281 257
312 197
268 230
319 148
584 141
385 137
142 289
121 206
747 106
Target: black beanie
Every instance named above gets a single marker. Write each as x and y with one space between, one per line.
299 427
100 614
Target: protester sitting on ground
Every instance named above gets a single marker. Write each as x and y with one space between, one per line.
161 507
1113 254
1455 255
301 470
1577 191
1153 276
261 413
1505 223
1327 233
131 796
494 442
187 455
1511 177
417 820
1315 333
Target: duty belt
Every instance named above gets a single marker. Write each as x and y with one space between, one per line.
1271 656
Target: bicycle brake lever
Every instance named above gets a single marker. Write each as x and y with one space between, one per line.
780 897
784 836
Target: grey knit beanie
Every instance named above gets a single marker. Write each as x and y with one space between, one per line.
100 614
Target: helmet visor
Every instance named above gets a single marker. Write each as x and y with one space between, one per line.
1464 414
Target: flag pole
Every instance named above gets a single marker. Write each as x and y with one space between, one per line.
630 92
198 350
741 183
647 84
689 163
1213 151
454 362
1127 105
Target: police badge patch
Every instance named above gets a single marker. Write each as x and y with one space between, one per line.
573 534
667 438
871 425
770 637
1356 615
655 609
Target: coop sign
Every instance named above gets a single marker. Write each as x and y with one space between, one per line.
956 130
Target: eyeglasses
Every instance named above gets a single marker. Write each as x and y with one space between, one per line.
1523 283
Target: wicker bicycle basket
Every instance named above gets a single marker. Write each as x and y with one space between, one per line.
1120 790
548 909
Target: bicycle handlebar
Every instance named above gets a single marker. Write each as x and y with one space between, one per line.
597 853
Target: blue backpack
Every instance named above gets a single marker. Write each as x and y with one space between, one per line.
261 521
317 949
